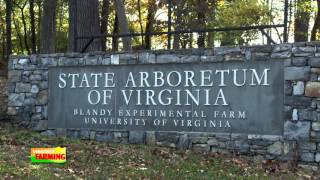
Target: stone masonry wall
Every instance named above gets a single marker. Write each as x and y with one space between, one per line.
28 99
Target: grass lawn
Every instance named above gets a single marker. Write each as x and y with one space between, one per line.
97 160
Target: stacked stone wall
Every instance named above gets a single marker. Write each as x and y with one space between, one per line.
300 142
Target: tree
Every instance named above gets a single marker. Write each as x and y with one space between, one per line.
201 6
316 26
39 20
61 36
178 12
150 22
123 24
48 27
33 28
84 21
212 7
8 27
115 32
301 22
18 34
240 13
21 7
104 21
140 19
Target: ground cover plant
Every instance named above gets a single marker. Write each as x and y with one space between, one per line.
99 160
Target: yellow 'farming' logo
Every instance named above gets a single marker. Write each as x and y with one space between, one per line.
48 155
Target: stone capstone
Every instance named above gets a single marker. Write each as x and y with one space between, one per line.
281 55
165 58
106 61
115 59
23 61
282 47
47 62
303 51
91 61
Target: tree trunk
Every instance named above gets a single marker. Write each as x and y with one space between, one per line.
316 25
25 30
140 20
211 35
48 27
8 28
191 41
104 22
39 6
201 22
301 22
150 22
176 37
123 24
33 28
24 24
17 28
60 12
115 31
72 45
84 21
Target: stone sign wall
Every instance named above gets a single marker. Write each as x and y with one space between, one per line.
298 138
197 97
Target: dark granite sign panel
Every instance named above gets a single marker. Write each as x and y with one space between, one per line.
209 97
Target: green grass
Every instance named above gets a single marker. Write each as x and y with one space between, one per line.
96 160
